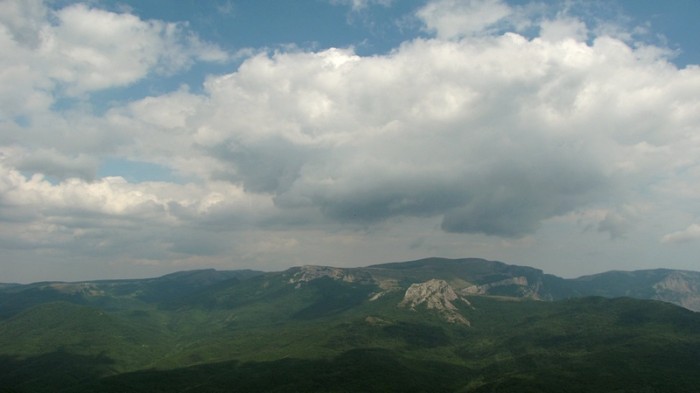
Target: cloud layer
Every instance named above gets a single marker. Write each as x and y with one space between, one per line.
479 128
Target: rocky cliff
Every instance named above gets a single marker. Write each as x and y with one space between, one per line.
435 295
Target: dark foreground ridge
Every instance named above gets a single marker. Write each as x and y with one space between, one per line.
466 325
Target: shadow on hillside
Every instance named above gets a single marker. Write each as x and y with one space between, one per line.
50 372
335 297
362 370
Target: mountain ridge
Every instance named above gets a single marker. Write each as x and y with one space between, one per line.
466 325
469 276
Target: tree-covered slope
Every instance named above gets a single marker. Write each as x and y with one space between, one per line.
430 325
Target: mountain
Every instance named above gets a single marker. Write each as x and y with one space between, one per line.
482 277
467 325
673 286
115 294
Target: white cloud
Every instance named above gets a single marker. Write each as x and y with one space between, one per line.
50 162
24 20
358 5
455 18
82 49
92 49
564 28
114 196
452 128
54 55
471 131
691 233
112 218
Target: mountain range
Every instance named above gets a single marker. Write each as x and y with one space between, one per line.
467 325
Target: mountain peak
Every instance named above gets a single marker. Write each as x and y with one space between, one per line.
436 295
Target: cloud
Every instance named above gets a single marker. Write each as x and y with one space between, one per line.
78 49
457 129
115 197
55 57
97 49
563 28
454 19
113 218
51 163
24 20
477 128
618 223
689 234
359 5
225 8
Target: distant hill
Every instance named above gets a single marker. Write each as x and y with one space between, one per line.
674 286
498 279
115 293
467 325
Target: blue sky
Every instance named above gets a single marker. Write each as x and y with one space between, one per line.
139 138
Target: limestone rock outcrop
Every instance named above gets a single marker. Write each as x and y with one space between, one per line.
436 295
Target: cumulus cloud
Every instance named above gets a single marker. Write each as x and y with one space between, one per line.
96 49
458 129
23 20
114 196
473 129
81 49
54 55
114 217
51 163
454 18
691 233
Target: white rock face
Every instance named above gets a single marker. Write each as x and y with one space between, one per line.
682 288
309 272
87 289
435 295
678 282
484 289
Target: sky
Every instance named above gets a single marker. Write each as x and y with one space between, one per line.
139 138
